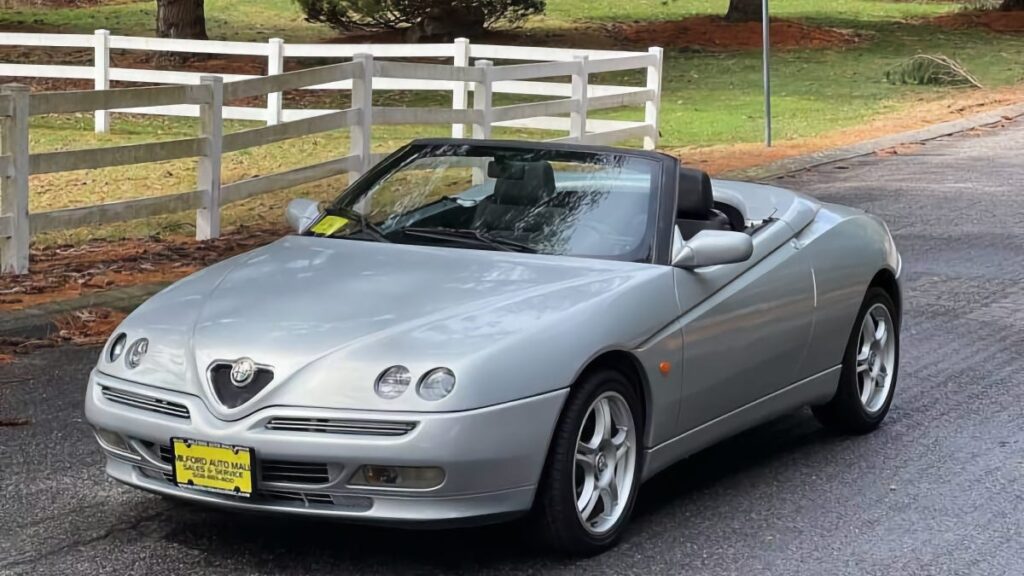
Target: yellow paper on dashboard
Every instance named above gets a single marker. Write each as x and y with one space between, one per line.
329 225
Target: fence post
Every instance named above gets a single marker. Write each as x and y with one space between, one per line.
101 69
14 185
211 127
460 95
580 95
482 96
654 104
275 65
362 99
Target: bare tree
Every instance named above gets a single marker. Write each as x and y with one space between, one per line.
746 10
181 19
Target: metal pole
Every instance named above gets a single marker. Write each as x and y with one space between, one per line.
765 25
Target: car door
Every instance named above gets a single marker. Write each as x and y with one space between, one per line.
747 327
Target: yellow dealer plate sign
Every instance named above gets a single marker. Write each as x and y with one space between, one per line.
212 466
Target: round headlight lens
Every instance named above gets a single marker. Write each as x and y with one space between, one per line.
117 347
392 382
436 384
136 352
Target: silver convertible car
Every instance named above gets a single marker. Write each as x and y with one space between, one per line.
476 330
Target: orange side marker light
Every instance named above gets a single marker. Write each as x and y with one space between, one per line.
665 368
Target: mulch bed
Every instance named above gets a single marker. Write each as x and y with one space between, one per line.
715 33
997 21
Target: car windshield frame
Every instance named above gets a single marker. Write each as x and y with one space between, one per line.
647 249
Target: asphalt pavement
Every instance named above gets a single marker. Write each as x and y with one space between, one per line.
939 489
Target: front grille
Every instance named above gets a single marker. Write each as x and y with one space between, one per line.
232 396
283 472
330 426
294 472
144 402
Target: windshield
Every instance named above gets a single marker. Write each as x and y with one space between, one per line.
545 201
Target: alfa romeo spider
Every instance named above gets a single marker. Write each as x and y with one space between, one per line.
477 330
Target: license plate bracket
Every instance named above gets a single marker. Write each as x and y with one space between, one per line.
213 467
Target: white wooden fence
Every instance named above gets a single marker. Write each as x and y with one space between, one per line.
203 95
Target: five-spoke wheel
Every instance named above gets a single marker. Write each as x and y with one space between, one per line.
605 462
590 482
868 377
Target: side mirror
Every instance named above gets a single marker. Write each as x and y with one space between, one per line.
301 213
713 247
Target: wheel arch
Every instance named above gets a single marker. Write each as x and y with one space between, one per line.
629 366
886 280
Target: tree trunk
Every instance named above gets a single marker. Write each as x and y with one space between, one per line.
747 10
1008 5
181 19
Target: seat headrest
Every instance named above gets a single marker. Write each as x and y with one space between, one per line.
521 183
695 197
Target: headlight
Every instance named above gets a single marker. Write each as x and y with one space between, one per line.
117 347
136 352
436 384
392 382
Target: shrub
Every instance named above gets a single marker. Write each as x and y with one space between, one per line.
347 15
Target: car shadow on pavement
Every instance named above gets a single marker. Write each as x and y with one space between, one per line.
282 545
744 454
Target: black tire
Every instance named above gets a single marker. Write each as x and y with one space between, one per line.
845 413
555 507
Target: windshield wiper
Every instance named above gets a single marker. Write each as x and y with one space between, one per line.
470 236
364 224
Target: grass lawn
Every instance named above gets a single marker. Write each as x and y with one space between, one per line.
710 97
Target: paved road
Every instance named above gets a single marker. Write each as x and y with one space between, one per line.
938 490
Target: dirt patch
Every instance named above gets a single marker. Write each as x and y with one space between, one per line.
715 33
997 21
65 272
718 159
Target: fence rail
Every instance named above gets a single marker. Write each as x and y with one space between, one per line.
471 80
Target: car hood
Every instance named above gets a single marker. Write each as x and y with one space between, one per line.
329 315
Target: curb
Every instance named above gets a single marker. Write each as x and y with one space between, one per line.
789 166
37 321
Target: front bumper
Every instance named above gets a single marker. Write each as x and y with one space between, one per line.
492 457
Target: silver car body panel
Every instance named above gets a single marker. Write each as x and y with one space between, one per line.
745 341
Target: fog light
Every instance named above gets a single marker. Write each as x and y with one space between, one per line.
407 477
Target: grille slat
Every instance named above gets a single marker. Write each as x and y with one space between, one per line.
294 472
143 402
355 427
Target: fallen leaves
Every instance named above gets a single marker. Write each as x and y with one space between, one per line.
64 272
89 326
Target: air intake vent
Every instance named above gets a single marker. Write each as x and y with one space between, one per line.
294 472
143 402
357 427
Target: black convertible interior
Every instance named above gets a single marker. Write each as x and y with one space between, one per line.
696 208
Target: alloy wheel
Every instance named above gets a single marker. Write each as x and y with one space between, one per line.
876 356
606 455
